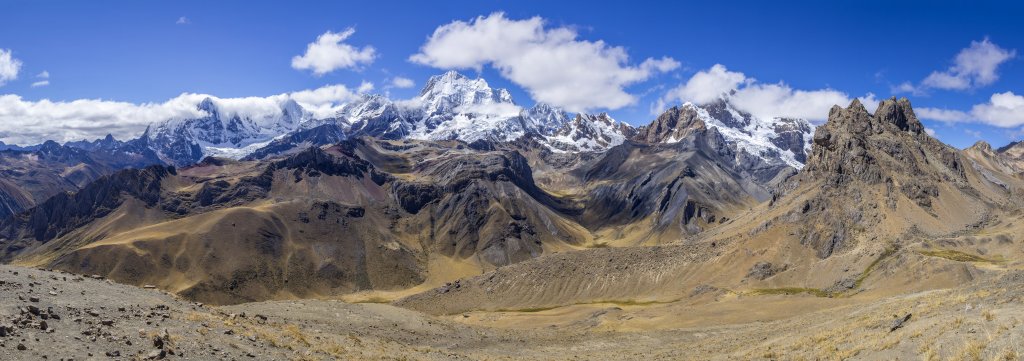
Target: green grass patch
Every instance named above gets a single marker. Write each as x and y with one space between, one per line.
374 300
789 291
958 256
617 303
633 302
889 251
530 309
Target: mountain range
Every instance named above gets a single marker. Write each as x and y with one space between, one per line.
462 204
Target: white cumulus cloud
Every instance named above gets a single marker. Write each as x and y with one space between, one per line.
9 66
942 115
974 66
329 53
182 21
764 100
1004 110
402 83
551 63
31 122
365 87
707 85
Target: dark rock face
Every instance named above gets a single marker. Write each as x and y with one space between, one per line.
483 205
856 149
314 161
899 114
413 196
1008 146
850 145
791 137
763 270
674 123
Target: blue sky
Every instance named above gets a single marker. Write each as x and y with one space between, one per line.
139 51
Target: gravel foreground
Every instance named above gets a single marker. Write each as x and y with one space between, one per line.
48 315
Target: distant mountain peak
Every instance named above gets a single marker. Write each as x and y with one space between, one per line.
207 105
448 92
450 106
775 141
981 145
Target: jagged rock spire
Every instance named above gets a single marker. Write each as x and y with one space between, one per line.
900 114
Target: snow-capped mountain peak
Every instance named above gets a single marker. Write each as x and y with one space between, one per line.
544 118
775 140
588 132
447 93
450 106
225 129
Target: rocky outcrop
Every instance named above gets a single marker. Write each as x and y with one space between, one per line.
856 151
763 270
674 124
790 135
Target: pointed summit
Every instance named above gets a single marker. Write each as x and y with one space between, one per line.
982 146
772 141
451 91
854 145
444 80
900 114
292 111
856 105
207 105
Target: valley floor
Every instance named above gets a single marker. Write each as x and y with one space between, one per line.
60 316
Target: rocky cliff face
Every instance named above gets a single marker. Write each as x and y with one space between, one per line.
856 145
867 166
674 124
